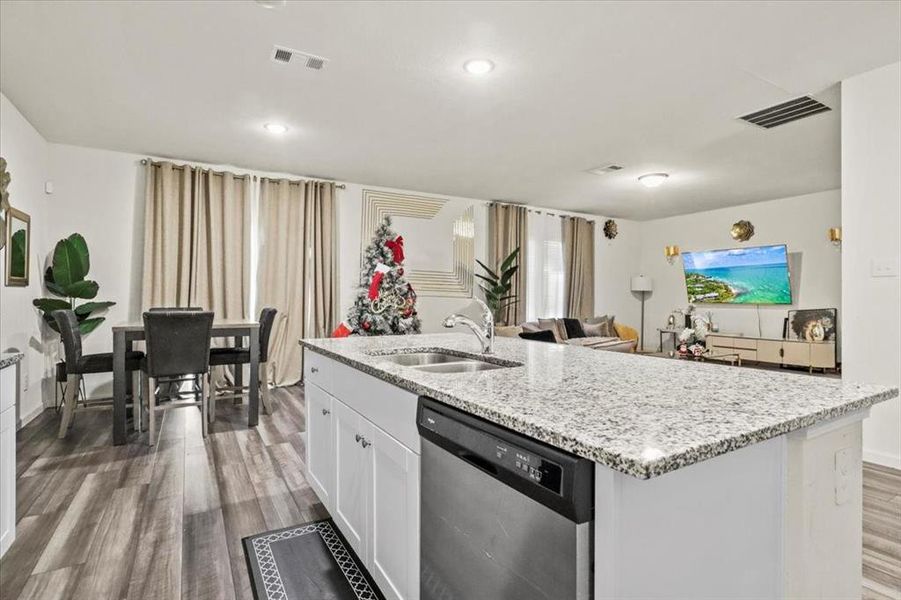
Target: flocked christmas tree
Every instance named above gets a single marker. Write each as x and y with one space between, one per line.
387 304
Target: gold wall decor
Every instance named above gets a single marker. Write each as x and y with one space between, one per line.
610 229
457 282
835 235
4 199
742 231
671 252
18 247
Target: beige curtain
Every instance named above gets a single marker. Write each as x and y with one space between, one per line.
578 266
298 268
506 232
196 239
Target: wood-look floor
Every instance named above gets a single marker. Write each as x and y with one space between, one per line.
98 521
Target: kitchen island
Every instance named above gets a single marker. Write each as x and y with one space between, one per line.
709 481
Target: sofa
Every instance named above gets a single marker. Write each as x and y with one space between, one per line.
598 333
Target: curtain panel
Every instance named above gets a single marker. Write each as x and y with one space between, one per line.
546 289
196 239
507 231
298 269
578 259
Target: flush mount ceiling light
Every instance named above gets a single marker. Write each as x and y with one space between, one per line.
653 180
478 66
272 3
276 128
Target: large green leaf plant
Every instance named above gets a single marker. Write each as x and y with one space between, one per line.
497 285
65 278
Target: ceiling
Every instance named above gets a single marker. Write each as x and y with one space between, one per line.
652 86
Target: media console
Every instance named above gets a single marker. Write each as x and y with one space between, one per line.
793 353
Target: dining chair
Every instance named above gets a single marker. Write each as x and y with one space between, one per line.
77 365
178 345
241 356
173 385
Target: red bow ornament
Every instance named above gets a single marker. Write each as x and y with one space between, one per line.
397 249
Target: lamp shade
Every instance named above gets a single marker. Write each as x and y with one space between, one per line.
642 283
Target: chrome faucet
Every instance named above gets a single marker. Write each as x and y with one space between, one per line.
483 331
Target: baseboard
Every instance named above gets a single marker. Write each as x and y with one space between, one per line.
26 419
882 458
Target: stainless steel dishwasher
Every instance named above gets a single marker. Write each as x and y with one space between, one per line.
503 516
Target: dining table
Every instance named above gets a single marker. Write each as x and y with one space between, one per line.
126 334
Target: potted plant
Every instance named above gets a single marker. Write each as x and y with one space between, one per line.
65 278
498 284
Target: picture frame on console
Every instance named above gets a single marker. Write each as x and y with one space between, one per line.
812 325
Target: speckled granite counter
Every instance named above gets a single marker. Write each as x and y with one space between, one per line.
639 415
7 359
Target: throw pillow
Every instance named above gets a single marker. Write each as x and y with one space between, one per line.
596 320
595 329
544 335
511 331
531 326
573 328
551 325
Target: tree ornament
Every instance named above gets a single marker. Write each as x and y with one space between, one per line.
400 271
367 325
376 282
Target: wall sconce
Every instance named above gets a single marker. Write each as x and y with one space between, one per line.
671 252
835 236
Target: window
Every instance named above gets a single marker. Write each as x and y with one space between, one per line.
544 267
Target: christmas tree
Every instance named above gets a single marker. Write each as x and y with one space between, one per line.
387 305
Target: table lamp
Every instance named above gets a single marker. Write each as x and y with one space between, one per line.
643 284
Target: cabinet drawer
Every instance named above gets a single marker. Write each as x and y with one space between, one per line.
717 341
744 343
317 369
822 355
746 354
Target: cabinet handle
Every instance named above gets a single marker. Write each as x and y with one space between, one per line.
314 370
358 437
366 443
326 411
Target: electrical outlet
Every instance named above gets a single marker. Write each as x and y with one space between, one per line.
884 267
843 460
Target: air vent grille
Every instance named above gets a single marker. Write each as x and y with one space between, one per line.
284 56
603 170
805 106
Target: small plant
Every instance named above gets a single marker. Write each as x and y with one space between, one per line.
497 286
66 278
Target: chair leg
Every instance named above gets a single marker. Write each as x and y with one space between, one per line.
204 402
72 385
151 412
264 388
214 377
137 404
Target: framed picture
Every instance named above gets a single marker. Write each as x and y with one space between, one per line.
18 246
812 324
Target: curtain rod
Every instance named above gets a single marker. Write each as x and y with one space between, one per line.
145 161
545 212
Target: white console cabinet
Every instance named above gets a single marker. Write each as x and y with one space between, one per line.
795 353
8 394
363 463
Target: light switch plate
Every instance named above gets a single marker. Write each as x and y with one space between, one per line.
884 267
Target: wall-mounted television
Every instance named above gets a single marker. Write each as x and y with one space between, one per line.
756 275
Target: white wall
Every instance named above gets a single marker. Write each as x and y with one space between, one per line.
20 329
801 222
871 222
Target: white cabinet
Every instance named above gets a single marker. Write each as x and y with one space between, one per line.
362 467
351 477
7 457
394 521
320 453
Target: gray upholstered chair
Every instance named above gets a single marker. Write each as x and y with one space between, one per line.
78 364
241 356
178 344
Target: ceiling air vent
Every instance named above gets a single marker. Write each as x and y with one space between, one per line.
285 56
805 106
603 170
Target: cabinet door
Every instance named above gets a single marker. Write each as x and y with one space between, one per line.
351 477
394 516
320 443
7 478
796 353
769 351
822 355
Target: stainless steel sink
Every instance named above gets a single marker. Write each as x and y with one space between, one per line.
460 367
415 359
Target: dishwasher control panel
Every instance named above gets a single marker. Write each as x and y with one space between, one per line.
529 466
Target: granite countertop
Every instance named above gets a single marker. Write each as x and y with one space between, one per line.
640 415
8 359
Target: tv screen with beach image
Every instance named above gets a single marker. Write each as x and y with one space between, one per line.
757 275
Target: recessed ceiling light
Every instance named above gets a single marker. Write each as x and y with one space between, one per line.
478 66
275 128
653 179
